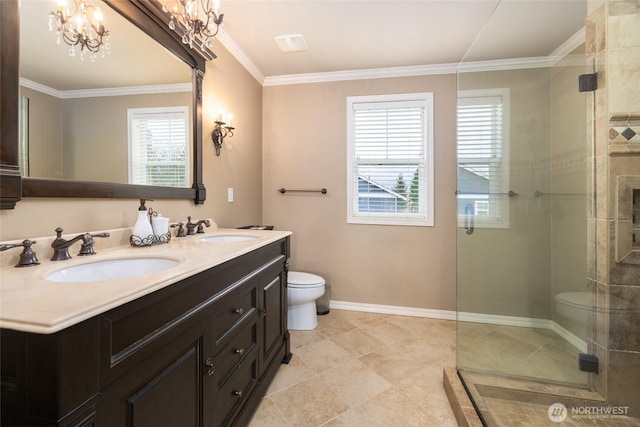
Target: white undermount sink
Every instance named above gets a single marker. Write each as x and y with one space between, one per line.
227 238
111 269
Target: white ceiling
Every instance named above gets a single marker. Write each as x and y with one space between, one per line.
135 58
367 34
345 35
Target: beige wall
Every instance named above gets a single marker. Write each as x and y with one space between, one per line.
45 134
97 128
226 84
304 137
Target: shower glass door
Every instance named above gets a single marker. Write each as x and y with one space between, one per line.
523 296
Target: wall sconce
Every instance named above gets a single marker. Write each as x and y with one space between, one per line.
220 131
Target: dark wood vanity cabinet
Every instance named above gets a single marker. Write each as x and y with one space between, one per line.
200 352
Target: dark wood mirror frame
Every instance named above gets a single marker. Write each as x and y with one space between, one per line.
148 16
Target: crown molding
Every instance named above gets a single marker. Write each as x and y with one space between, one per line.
240 56
116 91
40 88
504 64
365 74
568 46
129 90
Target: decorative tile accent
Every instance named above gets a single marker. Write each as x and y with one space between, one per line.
628 133
624 129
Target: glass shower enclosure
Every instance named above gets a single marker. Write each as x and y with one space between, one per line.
532 305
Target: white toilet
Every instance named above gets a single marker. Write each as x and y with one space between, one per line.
303 289
574 306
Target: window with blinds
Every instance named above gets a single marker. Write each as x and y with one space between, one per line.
390 161
483 167
158 146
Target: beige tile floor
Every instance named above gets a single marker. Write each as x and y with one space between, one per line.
528 359
521 352
362 369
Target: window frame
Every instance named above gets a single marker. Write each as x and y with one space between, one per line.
425 217
178 109
503 220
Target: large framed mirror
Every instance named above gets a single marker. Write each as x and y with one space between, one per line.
52 116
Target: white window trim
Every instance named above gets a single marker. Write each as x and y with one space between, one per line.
132 112
405 219
504 221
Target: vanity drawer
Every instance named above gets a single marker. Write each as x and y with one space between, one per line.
235 392
236 309
232 354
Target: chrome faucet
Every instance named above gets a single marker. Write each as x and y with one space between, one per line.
27 257
61 246
191 226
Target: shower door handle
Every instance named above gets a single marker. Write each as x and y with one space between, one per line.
468 218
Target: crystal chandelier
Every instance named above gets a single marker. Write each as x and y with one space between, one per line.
195 18
80 24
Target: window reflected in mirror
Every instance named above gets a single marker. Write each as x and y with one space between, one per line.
158 146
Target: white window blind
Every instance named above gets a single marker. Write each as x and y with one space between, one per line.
158 146
483 168
389 159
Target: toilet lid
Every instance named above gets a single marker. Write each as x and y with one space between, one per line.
574 299
297 278
582 300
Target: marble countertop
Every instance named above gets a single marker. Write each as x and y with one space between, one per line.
30 303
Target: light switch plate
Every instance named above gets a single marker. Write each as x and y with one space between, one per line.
230 195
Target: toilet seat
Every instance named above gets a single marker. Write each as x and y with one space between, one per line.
297 279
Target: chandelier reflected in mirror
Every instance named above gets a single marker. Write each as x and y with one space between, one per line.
194 19
78 23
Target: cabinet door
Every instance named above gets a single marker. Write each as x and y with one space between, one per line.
273 304
174 387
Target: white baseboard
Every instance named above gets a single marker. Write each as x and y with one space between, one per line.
393 309
569 336
494 319
525 322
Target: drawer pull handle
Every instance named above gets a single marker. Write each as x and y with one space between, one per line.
238 393
240 351
239 311
210 367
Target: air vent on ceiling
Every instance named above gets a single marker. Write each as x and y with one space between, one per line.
291 43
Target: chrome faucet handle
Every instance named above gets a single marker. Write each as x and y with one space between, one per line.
86 247
180 232
27 257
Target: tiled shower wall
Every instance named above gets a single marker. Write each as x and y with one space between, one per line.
613 49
